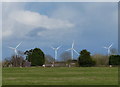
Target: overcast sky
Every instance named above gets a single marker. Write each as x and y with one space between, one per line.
44 24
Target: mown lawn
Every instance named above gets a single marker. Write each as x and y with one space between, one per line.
60 76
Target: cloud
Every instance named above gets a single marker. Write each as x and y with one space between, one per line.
6 33
8 25
35 19
94 21
17 19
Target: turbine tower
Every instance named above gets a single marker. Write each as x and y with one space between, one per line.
15 49
108 48
72 50
56 49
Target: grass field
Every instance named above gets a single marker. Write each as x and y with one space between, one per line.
60 76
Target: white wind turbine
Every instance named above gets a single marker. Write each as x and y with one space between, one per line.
55 49
15 49
108 48
72 50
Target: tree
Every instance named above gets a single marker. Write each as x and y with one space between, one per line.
6 62
35 56
49 59
17 61
85 59
20 53
65 56
14 61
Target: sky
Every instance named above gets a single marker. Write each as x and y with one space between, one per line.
91 25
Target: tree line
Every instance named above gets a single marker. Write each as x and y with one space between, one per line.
36 57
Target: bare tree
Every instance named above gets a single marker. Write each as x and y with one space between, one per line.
49 59
17 61
6 62
65 56
113 51
101 60
21 53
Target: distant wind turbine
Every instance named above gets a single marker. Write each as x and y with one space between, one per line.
55 49
72 50
15 49
108 48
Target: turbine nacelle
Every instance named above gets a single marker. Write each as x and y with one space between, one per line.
72 50
108 48
55 49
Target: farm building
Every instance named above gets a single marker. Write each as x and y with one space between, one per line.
72 63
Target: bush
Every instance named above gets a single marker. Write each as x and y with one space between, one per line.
101 60
85 59
114 60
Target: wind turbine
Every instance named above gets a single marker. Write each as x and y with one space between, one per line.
15 49
108 48
72 50
55 49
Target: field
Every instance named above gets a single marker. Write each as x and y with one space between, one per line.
60 76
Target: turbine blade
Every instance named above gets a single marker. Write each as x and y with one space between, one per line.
73 44
68 49
11 48
18 45
58 47
105 47
76 51
53 48
110 46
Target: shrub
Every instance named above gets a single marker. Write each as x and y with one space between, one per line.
114 60
101 60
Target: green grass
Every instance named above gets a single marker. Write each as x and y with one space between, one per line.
60 76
